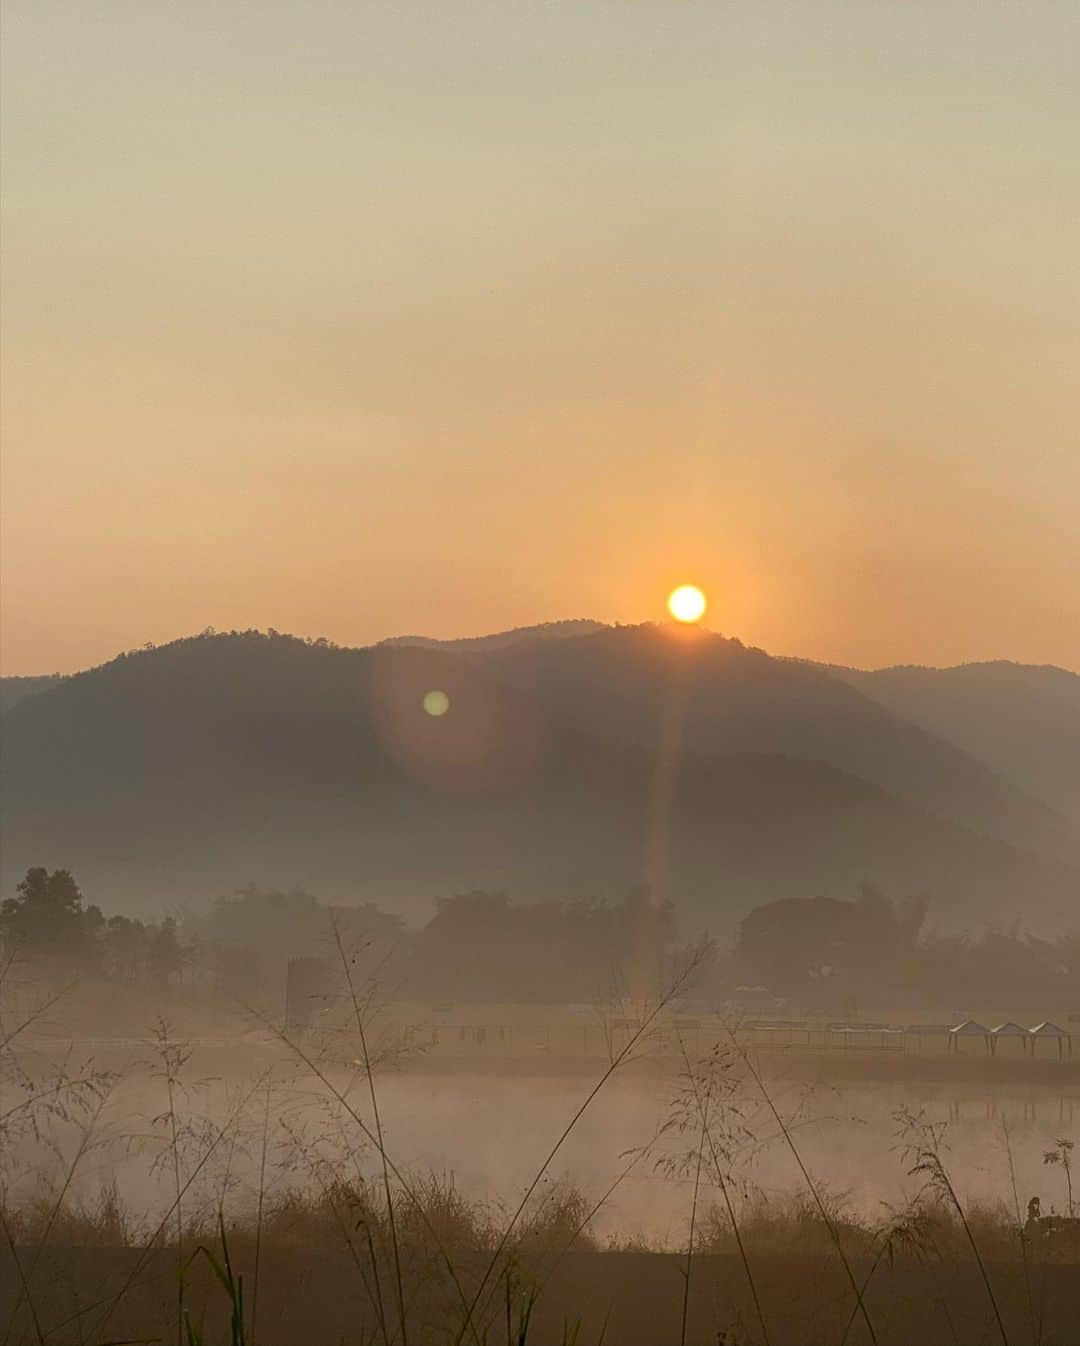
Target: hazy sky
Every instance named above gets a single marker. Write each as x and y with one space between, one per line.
355 319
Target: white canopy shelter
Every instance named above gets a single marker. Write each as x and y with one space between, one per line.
1010 1031
1054 1033
969 1029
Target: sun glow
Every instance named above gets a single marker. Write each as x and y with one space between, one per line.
687 603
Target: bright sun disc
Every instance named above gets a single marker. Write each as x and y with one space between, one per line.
687 603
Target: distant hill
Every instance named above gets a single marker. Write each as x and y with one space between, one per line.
502 639
14 690
1022 720
192 768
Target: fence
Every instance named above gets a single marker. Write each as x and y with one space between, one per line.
671 1038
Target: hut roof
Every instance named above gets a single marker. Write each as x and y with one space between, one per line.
970 1028
1048 1030
1009 1030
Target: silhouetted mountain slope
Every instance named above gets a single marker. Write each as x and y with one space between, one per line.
634 683
191 768
1022 720
14 690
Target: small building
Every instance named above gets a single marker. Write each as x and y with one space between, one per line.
1009 1039
969 1036
1048 1032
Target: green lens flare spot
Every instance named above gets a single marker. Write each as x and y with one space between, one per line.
436 703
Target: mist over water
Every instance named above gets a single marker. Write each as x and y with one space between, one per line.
488 1128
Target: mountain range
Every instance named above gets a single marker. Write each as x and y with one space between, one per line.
575 759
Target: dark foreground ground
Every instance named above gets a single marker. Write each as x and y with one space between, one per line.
93 1296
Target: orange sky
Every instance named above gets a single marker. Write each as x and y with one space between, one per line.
358 320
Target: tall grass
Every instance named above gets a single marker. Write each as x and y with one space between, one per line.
777 1234
263 1150
172 1058
693 1216
1036 1333
923 1146
1062 1154
111 1303
713 1074
53 1210
321 1075
811 1187
678 982
369 1073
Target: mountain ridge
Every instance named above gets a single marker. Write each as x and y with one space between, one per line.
210 761
736 697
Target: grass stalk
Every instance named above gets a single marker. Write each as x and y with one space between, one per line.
24 1285
319 1074
69 1176
111 1302
1036 1333
865 1285
374 1295
380 1307
650 1018
927 1153
232 1284
9 1035
259 1212
729 1205
598 1205
369 1072
693 1218
169 1062
811 1186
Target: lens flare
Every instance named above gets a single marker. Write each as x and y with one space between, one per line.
436 703
687 603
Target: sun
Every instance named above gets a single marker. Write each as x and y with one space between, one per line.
687 603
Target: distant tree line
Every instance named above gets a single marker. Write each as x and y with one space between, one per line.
478 945
546 950
824 950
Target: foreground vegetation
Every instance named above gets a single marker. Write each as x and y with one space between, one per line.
289 1218
324 1264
